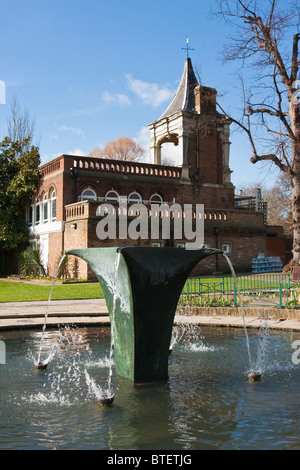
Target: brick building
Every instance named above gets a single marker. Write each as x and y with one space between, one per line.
64 214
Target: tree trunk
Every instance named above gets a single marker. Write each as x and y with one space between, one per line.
296 184
296 218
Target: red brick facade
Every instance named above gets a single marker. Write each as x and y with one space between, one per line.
81 184
243 232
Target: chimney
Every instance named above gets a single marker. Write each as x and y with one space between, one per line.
205 99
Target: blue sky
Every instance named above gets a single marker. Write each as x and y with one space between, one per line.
90 71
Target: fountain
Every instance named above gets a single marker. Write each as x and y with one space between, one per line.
39 364
204 404
108 398
142 304
142 287
254 373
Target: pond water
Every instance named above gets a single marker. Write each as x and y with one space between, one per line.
207 403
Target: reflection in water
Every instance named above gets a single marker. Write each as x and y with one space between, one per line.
207 403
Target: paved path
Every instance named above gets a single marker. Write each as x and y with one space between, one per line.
61 312
19 315
237 322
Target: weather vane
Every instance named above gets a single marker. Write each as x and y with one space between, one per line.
187 48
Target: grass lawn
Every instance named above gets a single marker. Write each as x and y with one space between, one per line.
19 291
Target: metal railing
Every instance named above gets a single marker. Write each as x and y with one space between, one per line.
272 290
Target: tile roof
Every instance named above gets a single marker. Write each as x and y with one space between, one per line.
184 99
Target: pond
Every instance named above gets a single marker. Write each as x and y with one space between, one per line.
207 402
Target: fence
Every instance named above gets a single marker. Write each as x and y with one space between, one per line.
272 290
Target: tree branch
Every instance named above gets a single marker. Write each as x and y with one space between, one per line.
295 62
256 157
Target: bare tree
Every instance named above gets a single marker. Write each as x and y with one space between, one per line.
122 148
278 199
266 39
20 125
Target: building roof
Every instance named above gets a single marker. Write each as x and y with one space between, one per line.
184 99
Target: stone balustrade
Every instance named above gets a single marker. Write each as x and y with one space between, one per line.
85 209
127 168
110 166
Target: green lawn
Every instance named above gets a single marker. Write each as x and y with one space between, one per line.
19 291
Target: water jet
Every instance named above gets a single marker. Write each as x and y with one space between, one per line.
207 402
42 365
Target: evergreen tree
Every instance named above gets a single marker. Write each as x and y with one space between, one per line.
19 177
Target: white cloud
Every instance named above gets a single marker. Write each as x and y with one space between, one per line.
144 139
48 158
76 131
118 98
170 153
77 152
150 93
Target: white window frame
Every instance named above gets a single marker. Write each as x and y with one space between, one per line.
157 244
157 196
44 206
37 206
226 248
180 244
114 198
90 197
135 200
52 199
206 245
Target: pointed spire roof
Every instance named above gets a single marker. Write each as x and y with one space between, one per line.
184 99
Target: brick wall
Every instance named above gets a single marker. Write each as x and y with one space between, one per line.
76 236
56 250
243 231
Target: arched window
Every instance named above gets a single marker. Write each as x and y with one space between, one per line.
30 214
45 208
37 212
134 198
156 199
112 196
88 195
53 205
